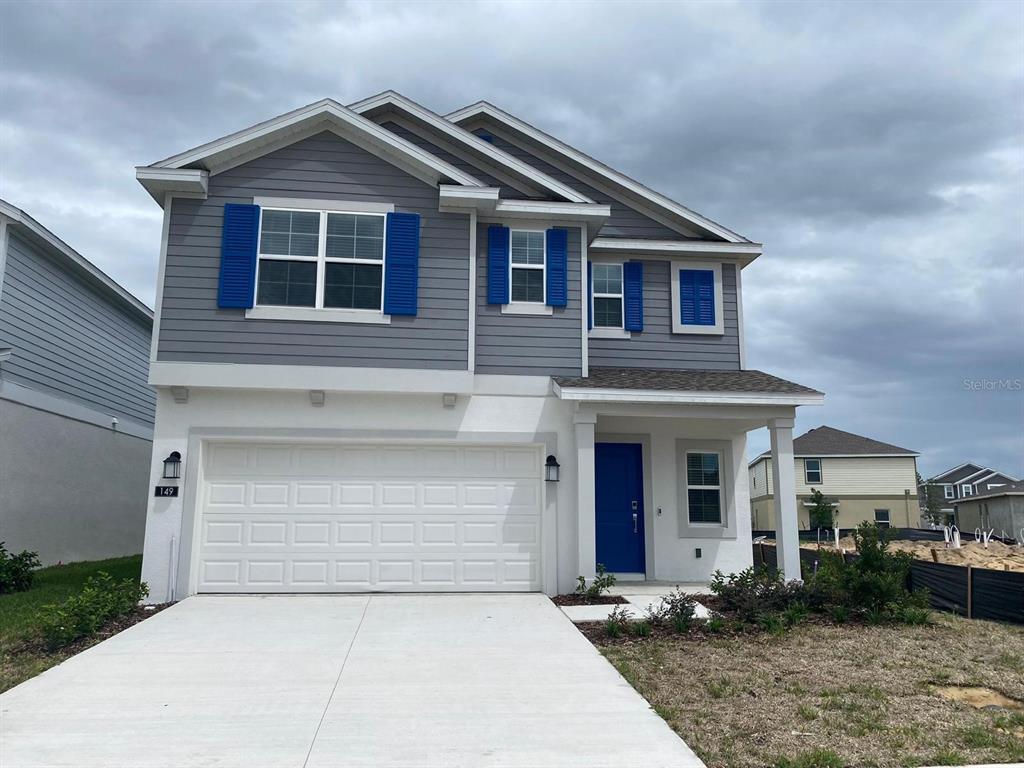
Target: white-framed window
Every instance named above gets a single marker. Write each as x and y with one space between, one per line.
321 259
966 490
527 266
947 491
607 297
704 487
812 471
882 518
697 301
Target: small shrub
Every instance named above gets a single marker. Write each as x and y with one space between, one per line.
682 624
81 615
617 621
642 628
714 624
755 592
17 571
601 583
795 614
915 616
772 622
676 609
840 614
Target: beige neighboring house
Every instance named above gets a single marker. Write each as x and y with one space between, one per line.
1000 510
865 479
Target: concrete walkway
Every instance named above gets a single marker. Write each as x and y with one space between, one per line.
446 680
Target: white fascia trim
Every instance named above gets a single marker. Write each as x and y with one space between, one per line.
3 252
594 166
585 314
739 319
324 110
602 395
77 260
954 469
453 131
471 312
968 480
543 208
42 401
167 204
456 199
305 377
348 206
744 252
180 182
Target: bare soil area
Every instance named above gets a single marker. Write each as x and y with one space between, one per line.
997 556
836 695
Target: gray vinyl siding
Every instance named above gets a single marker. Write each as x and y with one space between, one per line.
70 341
657 347
193 328
536 345
624 222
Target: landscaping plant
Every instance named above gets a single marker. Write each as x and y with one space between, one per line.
81 615
755 593
676 609
601 583
16 571
617 621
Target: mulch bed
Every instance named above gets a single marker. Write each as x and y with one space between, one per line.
575 599
38 647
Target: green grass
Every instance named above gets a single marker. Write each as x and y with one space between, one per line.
19 612
815 758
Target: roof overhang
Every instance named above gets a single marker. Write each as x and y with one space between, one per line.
391 101
631 190
744 253
37 233
325 115
678 397
486 202
180 182
766 456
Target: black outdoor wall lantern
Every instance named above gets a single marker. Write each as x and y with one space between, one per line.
172 466
551 470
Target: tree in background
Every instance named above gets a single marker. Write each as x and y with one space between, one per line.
822 513
932 501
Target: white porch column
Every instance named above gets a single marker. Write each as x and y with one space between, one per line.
586 537
787 537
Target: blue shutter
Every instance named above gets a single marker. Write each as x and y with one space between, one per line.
401 263
497 264
697 296
590 295
633 295
556 263
239 238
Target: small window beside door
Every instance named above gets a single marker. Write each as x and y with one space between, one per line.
704 487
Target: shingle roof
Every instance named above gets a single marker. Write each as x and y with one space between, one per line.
829 441
684 381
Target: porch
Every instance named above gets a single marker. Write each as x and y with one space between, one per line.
661 470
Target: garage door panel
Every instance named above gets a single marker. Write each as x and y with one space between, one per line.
293 518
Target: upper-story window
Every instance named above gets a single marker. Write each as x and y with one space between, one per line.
966 490
697 302
527 264
607 295
812 471
320 259
948 492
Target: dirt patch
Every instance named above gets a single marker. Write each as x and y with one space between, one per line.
977 697
867 693
575 599
996 556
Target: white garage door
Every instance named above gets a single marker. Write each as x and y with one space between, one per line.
353 517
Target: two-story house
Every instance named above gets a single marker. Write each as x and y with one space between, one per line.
400 351
76 411
963 482
862 478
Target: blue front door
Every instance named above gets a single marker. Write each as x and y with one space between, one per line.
619 491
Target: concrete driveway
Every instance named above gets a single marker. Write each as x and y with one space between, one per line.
339 680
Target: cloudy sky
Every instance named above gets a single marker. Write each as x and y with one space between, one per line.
876 150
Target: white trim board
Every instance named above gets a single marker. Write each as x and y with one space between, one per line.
744 253
599 394
396 102
473 111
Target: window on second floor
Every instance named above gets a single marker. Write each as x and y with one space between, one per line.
966 490
812 471
320 259
527 263
948 492
607 295
697 300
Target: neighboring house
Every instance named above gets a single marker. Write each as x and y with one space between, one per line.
963 482
379 330
864 479
1000 510
76 412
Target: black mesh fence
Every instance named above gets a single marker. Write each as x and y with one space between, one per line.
980 593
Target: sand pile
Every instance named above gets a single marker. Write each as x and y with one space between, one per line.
997 556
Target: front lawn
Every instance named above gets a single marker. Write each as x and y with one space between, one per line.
21 656
826 696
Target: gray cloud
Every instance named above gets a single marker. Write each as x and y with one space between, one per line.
876 149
